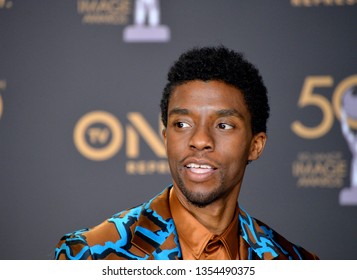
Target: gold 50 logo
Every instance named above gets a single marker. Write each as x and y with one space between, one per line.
99 135
329 109
325 169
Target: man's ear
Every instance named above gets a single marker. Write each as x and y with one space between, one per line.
164 136
257 145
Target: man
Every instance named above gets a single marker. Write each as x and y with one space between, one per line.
214 109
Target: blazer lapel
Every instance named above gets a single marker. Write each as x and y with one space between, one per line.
155 233
256 238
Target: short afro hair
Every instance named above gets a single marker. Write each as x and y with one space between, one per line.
220 64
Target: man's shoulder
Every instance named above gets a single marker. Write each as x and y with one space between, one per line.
113 237
100 240
289 250
266 243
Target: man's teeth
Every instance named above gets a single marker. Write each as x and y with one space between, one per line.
203 166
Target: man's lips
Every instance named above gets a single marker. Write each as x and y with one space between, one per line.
200 168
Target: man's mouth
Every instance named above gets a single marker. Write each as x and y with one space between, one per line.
199 168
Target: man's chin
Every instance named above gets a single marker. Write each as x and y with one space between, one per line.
199 203
199 199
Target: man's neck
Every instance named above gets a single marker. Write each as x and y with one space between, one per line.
216 217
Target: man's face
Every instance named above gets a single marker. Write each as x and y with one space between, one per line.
209 141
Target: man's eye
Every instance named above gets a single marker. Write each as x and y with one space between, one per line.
225 126
182 125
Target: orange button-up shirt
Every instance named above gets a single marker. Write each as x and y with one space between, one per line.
197 242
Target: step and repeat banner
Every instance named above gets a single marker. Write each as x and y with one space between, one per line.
80 132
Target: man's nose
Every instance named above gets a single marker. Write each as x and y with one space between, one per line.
202 139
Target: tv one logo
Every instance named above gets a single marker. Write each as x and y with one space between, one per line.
99 136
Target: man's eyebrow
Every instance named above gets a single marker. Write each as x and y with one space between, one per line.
229 112
219 113
179 111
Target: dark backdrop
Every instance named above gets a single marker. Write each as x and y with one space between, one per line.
79 114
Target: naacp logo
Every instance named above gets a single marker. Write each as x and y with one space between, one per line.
348 196
147 27
324 170
110 12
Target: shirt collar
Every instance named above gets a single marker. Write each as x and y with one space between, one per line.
196 236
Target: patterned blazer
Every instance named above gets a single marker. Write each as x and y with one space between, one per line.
148 232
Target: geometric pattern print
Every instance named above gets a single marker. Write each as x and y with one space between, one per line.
77 239
157 237
262 240
269 233
73 240
121 247
256 239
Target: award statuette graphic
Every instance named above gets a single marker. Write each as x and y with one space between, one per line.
146 11
348 196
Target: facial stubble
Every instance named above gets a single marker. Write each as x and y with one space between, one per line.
200 199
